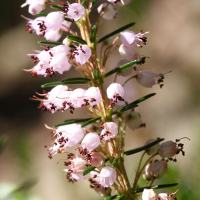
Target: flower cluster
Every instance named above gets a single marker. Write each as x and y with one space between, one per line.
99 141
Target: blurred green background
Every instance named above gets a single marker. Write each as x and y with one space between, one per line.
173 44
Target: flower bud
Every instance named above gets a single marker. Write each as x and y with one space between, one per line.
158 169
97 159
147 175
90 141
107 176
148 194
167 149
152 150
164 196
134 121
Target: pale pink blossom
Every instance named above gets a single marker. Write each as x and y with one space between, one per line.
77 97
93 95
52 35
146 78
115 91
78 164
35 6
127 52
110 130
75 11
129 38
66 136
82 54
108 11
60 63
148 194
54 20
107 176
90 142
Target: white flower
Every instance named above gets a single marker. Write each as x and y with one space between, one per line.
148 194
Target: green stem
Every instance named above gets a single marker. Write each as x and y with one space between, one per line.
129 80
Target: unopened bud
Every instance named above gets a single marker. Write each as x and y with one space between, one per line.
147 175
167 149
67 42
158 169
152 150
97 159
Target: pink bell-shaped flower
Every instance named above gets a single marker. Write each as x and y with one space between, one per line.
109 12
93 95
54 20
127 52
82 54
115 91
107 176
152 150
110 130
35 6
77 97
146 78
52 35
60 63
90 141
75 11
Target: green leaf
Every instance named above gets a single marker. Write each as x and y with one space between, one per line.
54 1
155 187
121 197
42 14
3 142
76 39
88 170
133 104
72 121
56 7
133 151
143 98
96 74
122 67
93 34
116 31
114 162
90 121
71 81
50 43
52 84
84 2
125 108
109 198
